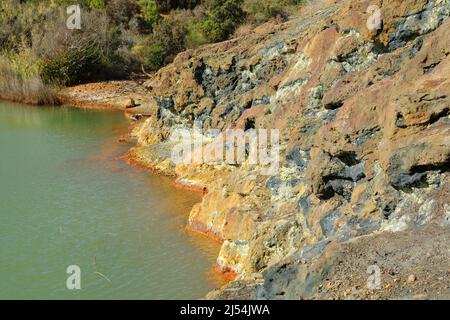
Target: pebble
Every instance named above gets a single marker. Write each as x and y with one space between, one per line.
411 278
130 103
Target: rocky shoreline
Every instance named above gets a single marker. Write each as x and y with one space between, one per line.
364 179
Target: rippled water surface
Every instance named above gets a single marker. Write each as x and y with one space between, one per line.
66 200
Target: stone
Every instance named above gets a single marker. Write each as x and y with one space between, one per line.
137 117
130 103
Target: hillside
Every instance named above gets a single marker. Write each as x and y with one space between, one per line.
363 182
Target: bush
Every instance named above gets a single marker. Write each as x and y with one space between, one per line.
71 67
156 56
223 19
20 80
195 36
262 11
120 12
167 40
96 4
96 52
166 6
73 56
150 11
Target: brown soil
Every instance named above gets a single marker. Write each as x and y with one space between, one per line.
414 264
111 95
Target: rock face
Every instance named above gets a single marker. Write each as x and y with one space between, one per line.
364 120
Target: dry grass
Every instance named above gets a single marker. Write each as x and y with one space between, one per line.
313 6
244 30
27 89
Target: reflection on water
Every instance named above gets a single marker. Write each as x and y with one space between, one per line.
65 200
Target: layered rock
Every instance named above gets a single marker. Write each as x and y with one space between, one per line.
364 117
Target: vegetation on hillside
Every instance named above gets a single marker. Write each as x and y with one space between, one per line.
116 38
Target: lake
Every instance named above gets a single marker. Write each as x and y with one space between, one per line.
66 200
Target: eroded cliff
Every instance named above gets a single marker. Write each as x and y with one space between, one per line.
364 119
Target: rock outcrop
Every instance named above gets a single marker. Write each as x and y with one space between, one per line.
364 121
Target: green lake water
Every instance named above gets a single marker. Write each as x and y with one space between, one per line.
65 199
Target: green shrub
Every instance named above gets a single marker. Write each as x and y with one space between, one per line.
20 80
261 11
167 40
223 19
96 4
156 56
166 6
71 67
150 11
195 36
121 12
